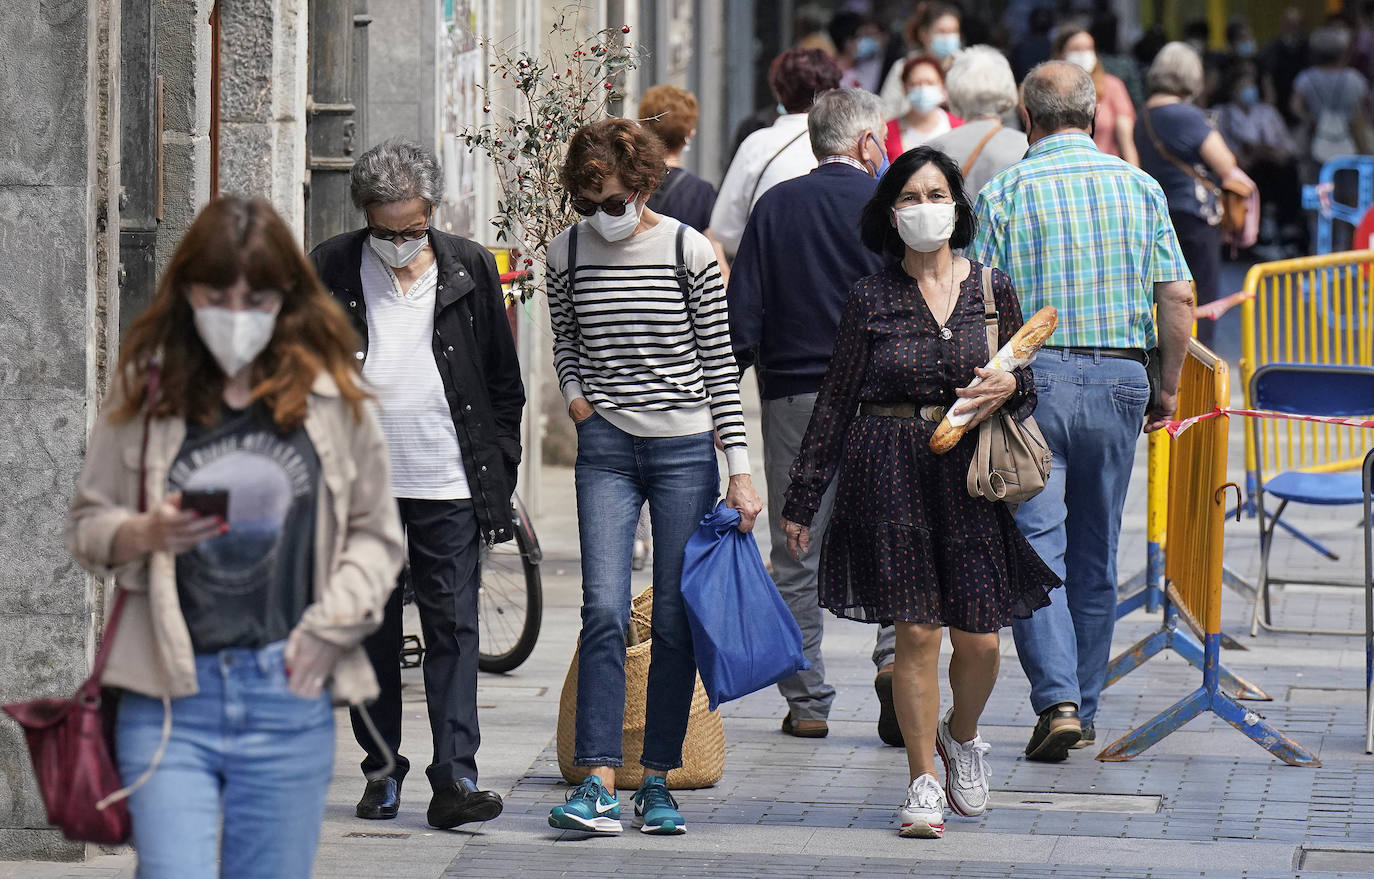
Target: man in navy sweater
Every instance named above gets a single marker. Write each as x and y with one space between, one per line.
799 256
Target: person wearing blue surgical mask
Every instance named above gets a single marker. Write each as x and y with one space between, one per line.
925 118
1264 149
933 31
859 46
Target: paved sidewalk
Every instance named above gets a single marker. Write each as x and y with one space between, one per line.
1206 802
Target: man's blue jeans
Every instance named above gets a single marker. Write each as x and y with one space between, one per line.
1091 410
616 473
246 751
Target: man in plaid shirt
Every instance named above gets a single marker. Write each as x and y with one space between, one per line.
1091 235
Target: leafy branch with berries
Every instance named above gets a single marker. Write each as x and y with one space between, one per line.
548 96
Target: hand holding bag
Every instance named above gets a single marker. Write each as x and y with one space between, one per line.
1226 203
744 636
1012 463
71 741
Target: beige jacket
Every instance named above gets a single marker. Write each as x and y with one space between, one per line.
357 546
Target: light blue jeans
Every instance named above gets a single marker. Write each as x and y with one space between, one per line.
616 473
245 753
1091 410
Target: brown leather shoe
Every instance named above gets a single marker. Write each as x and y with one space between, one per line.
805 729
888 728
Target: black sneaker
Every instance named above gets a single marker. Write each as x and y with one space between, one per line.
1055 733
888 729
381 799
1087 739
462 803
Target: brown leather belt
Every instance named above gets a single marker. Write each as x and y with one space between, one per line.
1136 354
903 410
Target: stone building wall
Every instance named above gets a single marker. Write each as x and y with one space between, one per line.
57 216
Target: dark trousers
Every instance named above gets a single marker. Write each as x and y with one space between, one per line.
1201 246
442 538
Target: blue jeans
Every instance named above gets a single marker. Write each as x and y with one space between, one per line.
616 473
244 751
1091 410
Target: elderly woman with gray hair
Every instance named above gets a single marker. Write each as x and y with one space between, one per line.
982 90
437 351
1179 148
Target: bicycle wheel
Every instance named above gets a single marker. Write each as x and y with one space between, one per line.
510 600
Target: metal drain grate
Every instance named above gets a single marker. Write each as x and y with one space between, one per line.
1046 801
375 834
1337 859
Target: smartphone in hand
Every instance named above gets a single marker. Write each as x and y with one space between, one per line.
207 502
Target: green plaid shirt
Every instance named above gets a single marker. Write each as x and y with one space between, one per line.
1084 232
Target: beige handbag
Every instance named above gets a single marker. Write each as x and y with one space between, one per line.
1012 463
703 751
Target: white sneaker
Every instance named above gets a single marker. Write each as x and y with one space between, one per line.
923 813
966 769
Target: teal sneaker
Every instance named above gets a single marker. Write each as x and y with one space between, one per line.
655 809
590 808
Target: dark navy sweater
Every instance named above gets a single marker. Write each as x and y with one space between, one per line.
799 257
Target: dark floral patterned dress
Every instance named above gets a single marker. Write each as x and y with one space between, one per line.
906 542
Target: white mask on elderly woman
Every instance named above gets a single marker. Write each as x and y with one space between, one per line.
397 255
925 227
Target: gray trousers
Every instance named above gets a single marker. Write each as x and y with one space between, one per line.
784 424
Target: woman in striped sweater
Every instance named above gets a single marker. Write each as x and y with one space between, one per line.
642 350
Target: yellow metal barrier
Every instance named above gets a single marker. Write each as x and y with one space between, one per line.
1196 516
1316 309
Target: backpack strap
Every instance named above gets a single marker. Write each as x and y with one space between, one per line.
572 260
989 311
684 278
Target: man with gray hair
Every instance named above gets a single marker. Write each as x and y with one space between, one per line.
799 255
981 91
437 352
1089 234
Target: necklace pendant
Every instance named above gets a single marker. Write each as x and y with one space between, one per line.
946 333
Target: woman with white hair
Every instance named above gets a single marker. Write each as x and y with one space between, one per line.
981 90
1179 148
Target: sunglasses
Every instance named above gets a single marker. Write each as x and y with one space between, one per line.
391 235
613 207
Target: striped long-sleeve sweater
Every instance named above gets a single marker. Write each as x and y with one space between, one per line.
649 360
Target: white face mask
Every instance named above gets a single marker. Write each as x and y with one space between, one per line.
924 98
1086 59
397 255
925 227
235 338
616 228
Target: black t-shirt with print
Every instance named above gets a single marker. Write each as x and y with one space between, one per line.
249 586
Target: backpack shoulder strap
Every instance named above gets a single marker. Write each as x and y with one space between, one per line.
989 311
572 260
684 277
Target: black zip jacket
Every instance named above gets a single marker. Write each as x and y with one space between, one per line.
474 352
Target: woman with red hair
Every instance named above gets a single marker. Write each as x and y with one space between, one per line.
923 79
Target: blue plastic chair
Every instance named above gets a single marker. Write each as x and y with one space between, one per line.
1339 391
1350 214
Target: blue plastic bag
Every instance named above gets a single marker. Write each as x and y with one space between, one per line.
744 636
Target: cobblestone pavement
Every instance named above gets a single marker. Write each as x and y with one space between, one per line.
1205 802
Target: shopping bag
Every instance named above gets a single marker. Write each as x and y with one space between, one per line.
744 636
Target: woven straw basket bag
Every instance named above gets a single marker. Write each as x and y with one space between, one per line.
703 751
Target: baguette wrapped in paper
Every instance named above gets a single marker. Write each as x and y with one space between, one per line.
1015 354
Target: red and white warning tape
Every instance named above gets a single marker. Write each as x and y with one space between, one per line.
1177 427
1217 307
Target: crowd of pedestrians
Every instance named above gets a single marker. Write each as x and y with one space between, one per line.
284 429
